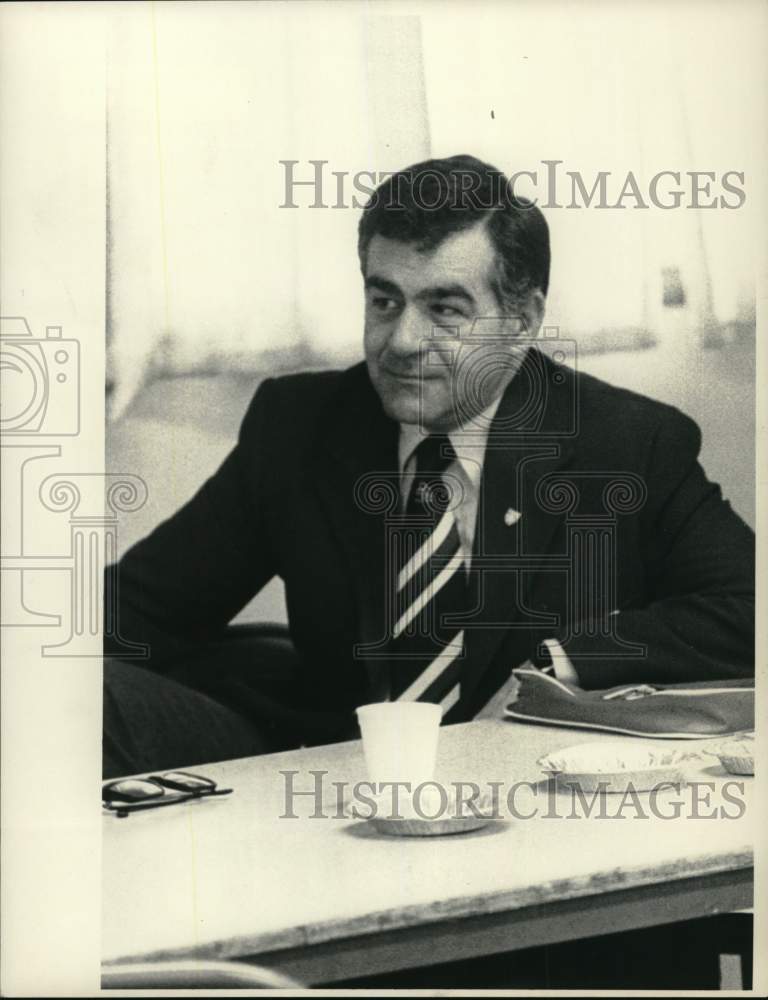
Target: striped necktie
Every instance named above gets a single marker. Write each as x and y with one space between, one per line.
425 649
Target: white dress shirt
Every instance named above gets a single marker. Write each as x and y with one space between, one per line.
469 442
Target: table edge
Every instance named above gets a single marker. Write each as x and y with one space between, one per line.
453 908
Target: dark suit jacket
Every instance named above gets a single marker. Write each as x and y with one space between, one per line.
617 514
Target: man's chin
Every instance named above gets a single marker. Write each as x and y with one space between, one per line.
404 409
412 408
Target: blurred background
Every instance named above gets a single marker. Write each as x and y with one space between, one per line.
212 286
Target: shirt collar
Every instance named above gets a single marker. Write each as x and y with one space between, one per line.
469 441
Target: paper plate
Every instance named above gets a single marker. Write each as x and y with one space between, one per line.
616 767
408 823
737 756
429 827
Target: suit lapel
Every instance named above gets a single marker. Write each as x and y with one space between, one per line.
356 478
530 437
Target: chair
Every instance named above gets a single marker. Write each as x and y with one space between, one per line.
193 975
257 674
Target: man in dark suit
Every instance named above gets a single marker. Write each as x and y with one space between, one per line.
457 505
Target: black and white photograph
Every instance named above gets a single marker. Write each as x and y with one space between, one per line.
382 436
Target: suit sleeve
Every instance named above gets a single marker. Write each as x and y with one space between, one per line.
182 584
700 564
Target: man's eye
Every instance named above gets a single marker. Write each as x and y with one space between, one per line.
446 312
382 303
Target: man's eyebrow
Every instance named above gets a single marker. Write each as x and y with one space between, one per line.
446 292
451 291
374 281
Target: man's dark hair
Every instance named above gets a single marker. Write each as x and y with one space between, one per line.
429 201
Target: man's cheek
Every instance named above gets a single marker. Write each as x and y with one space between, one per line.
435 395
373 336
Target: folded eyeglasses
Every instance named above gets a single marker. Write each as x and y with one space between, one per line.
127 795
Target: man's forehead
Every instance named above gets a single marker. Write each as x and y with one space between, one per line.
464 258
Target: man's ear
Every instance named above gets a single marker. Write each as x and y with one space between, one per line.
528 317
533 311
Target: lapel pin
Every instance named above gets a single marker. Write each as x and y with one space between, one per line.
511 517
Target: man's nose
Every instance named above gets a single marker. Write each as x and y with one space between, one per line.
408 333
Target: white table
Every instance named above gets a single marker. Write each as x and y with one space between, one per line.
326 899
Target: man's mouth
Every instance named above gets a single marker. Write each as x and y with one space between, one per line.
408 376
